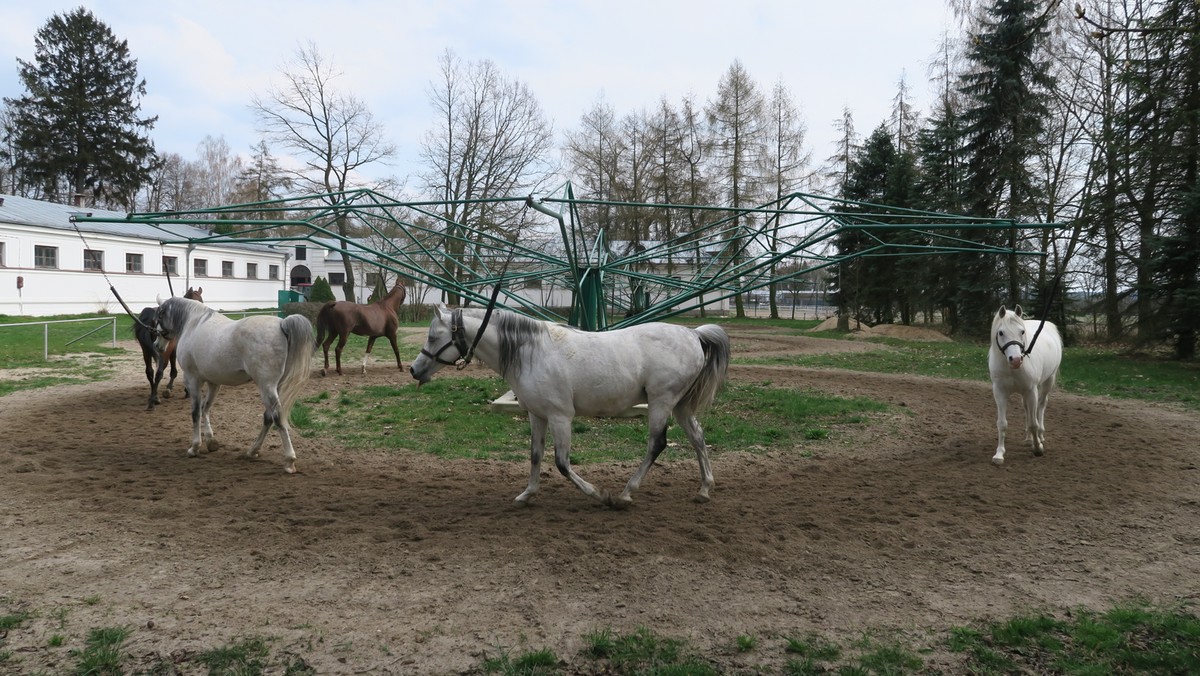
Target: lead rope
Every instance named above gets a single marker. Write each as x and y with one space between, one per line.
1045 311
87 247
465 359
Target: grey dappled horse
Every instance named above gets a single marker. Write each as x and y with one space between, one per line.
558 372
214 350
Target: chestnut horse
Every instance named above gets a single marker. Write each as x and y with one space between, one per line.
341 318
156 356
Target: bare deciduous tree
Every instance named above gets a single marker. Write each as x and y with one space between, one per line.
332 133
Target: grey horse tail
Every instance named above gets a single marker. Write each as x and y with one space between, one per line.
298 366
323 323
711 378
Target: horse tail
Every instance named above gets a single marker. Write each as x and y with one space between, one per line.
710 380
298 366
323 323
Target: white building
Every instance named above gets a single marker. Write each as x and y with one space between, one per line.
49 265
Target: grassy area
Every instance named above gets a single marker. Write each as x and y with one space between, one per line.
1127 638
1085 370
451 417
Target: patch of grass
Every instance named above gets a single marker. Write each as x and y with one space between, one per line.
1085 370
246 657
56 640
91 600
102 652
746 643
642 652
452 418
14 620
532 663
1127 639
24 346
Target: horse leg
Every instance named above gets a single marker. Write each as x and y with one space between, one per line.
210 397
657 422
695 434
337 353
272 416
174 374
395 350
370 346
560 428
1033 408
325 348
197 416
150 378
537 446
1044 396
1001 422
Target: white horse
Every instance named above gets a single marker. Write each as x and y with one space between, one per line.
558 372
214 350
1030 372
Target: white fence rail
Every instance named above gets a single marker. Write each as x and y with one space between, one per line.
46 330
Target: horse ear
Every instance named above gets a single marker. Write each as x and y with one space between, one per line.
1017 310
442 312
157 299
200 289
1001 312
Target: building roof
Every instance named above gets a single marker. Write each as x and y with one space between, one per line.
36 213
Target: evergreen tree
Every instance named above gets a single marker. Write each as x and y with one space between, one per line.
1170 84
1006 89
77 130
320 291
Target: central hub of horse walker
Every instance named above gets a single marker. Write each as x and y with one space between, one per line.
507 403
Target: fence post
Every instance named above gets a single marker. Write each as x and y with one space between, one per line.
45 342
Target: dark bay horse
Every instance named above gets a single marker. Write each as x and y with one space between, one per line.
157 356
341 318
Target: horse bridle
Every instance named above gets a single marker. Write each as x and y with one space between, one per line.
458 336
1009 344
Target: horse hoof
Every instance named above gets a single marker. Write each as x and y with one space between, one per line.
621 503
701 498
1039 452
999 462
213 445
165 395
322 373
290 468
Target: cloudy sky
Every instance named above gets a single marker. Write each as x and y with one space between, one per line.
203 61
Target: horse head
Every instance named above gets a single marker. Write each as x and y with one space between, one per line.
1008 335
446 340
195 294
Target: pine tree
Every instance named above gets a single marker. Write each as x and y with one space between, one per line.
320 291
77 131
1006 89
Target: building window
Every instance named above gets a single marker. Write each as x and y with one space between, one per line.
274 270
302 253
171 266
251 270
1 254
45 257
226 268
533 284
93 260
200 267
133 262
373 279
337 278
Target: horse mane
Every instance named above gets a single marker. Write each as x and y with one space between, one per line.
514 331
178 311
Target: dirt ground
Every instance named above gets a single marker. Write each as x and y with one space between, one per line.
403 563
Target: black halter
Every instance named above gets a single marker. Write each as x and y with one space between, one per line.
1010 343
458 336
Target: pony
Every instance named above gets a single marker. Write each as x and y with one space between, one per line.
214 350
1029 371
558 372
341 318
157 356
